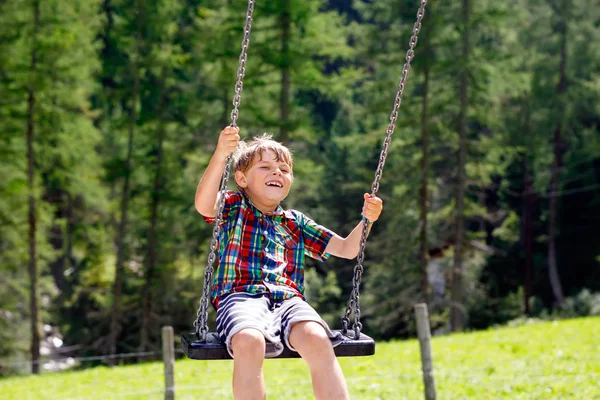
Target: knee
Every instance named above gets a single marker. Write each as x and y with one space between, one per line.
248 343
309 337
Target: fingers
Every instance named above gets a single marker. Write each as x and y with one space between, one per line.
230 130
228 140
372 207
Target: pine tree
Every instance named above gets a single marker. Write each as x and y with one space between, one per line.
132 32
165 57
48 78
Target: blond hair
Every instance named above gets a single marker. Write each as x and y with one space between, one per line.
248 154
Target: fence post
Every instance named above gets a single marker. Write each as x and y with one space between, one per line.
424 334
168 350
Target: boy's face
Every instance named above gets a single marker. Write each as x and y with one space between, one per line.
267 182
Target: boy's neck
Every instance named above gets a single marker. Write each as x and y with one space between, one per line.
265 208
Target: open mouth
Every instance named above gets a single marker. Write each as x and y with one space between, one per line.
274 184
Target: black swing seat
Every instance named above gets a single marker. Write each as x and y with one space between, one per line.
214 349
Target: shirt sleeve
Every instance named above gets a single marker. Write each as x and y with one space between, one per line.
316 238
232 204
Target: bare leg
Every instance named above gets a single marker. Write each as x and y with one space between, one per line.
249 352
311 341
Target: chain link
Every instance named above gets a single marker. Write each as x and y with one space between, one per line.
354 301
201 322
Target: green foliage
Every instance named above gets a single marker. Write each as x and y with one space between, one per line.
584 303
323 293
485 310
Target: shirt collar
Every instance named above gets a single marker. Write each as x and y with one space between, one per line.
281 212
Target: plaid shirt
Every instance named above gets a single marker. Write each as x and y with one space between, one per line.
264 253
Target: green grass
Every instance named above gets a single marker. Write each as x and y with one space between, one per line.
549 360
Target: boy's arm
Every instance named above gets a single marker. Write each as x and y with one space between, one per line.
208 187
349 246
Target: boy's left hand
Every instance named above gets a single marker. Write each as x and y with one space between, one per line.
372 207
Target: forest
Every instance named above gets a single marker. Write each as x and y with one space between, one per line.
111 109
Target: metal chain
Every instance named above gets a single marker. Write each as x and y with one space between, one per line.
239 85
201 322
354 301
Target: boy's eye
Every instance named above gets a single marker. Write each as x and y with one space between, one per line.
264 167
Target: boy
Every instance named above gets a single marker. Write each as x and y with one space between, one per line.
258 285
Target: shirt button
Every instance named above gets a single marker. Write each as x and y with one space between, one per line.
266 279
265 233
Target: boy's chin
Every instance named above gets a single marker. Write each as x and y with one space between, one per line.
275 199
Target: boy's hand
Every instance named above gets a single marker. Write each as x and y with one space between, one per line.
228 140
372 207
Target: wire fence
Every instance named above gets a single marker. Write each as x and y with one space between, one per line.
18 363
70 360
79 359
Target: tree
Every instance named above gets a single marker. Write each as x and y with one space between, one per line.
295 48
165 57
139 8
49 55
559 145
459 236
33 266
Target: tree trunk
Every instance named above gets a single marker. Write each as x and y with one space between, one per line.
57 267
115 323
152 234
552 223
32 268
527 236
558 148
284 101
527 211
552 264
457 316
69 233
423 192
62 242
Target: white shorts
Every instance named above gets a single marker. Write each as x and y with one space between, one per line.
274 319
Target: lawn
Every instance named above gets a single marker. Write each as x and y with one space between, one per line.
545 360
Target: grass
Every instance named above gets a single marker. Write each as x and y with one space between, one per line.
545 360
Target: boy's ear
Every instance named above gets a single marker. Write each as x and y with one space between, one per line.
240 179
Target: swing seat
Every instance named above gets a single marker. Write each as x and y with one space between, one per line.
214 348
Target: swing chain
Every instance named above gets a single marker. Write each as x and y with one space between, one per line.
353 303
201 322
241 71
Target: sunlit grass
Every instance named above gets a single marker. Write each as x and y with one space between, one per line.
550 360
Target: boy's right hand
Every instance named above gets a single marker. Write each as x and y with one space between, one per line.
228 140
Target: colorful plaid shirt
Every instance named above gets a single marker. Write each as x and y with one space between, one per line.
264 253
